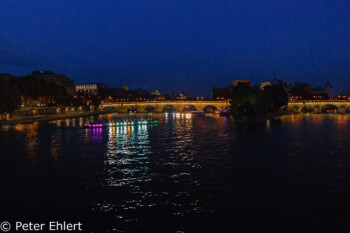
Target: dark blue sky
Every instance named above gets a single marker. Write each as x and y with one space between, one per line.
175 45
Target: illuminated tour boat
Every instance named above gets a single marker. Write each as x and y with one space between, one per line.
100 124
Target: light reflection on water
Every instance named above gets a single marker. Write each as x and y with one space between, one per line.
187 173
126 165
31 137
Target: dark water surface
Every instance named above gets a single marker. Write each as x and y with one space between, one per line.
186 174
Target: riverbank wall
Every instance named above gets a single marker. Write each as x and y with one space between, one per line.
51 115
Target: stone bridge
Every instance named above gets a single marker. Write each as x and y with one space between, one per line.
160 106
318 106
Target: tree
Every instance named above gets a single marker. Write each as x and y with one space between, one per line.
244 101
302 90
250 102
58 93
10 97
275 97
35 89
221 93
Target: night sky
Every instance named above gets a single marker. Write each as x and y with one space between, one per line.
175 45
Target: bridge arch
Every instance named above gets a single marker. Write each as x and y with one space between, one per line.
150 108
307 109
109 108
189 108
317 109
169 108
210 108
132 109
286 108
122 109
342 109
330 108
295 109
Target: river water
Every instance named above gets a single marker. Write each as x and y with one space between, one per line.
185 174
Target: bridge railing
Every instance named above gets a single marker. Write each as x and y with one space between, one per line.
168 102
318 101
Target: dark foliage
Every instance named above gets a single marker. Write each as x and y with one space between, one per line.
250 102
10 96
225 92
34 88
302 90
